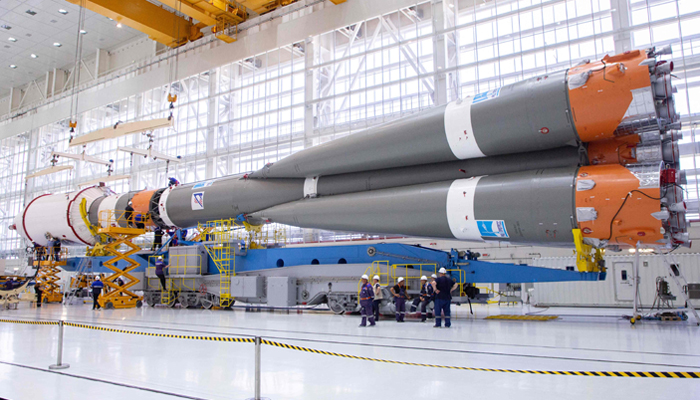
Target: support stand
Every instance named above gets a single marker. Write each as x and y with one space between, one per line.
637 301
681 282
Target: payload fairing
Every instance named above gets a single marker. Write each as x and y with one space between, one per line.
593 148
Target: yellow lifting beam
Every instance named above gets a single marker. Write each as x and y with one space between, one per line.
114 294
208 12
158 23
588 258
47 277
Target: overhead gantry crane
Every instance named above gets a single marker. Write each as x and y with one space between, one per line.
158 23
173 30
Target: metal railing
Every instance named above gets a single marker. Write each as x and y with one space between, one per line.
124 219
179 273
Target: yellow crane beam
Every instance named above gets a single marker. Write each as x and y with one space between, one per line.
158 23
209 12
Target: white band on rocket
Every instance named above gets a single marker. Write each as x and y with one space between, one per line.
459 131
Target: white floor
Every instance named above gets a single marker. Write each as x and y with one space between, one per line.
108 365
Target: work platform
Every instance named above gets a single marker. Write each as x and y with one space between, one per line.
218 273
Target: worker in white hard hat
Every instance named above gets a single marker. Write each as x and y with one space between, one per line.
426 296
97 286
443 286
378 296
366 299
400 297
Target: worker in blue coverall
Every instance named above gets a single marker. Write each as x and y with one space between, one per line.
443 298
97 286
426 296
366 299
400 296
160 271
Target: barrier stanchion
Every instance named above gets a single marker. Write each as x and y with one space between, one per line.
59 362
257 367
258 346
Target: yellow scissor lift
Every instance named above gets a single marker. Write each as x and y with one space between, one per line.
47 276
115 295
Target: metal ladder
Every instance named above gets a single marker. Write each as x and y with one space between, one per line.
675 273
84 265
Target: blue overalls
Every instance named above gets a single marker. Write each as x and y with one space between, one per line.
443 300
400 302
427 295
366 298
96 290
160 273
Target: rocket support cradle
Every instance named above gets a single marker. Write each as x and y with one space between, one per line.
591 148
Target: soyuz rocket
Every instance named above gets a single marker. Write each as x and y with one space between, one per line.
594 147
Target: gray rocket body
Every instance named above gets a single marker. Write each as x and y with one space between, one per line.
228 197
527 116
447 171
524 207
232 196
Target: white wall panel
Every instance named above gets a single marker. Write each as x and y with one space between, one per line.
602 293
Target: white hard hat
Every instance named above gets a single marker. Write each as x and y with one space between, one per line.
376 277
97 278
433 276
400 279
14 278
442 271
365 277
423 278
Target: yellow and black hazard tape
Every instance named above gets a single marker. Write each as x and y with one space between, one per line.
165 335
622 374
15 321
618 374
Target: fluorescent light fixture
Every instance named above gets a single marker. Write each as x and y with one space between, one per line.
12 39
34 56
13 66
56 44
62 11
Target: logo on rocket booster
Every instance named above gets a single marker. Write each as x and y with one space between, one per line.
491 94
492 229
198 201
